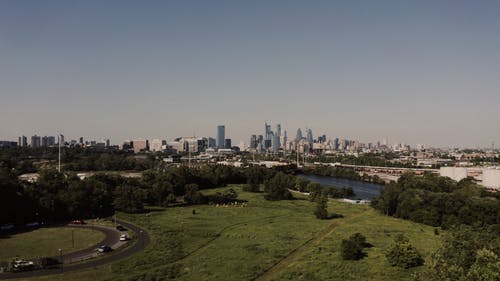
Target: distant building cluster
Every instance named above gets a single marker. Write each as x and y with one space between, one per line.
37 141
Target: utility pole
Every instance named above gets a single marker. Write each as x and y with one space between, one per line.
298 157
59 157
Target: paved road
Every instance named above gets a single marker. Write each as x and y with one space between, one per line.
112 239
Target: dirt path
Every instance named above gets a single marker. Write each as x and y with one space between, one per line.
300 251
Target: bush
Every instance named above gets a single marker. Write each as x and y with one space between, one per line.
352 248
403 254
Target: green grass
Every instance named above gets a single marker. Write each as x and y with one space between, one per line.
235 243
44 242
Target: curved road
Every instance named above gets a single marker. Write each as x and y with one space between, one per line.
112 239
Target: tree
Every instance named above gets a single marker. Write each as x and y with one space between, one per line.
486 267
321 211
277 187
128 199
192 196
315 191
403 254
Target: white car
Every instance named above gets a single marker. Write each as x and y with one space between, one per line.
124 237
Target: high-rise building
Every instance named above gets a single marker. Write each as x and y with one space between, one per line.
81 140
221 136
227 143
299 134
212 143
278 130
52 140
253 141
268 131
23 141
61 139
276 143
310 136
35 141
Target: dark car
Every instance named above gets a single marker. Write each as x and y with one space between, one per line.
120 228
104 249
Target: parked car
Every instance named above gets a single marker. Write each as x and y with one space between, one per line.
124 237
78 222
23 265
104 249
48 262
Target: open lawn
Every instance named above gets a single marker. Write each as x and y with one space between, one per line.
266 240
46 242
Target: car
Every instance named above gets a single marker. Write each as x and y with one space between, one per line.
23 265
32 224
78 222
124 237
104 249
120 228
7 226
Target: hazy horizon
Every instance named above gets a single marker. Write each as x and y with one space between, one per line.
423 72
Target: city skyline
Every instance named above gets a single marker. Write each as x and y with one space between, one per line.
419 73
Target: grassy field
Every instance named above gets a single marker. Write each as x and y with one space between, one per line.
45 242
264 240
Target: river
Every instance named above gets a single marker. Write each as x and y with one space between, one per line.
363 190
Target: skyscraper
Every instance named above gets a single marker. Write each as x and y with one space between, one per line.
299 134
309 136
23 141
221 136
212 143
268 132
35 141
276 143
253 141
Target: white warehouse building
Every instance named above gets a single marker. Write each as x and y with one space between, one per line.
455 173
491 178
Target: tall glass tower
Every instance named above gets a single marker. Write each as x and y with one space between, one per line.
221 135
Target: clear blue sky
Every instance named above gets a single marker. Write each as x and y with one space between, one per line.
415 71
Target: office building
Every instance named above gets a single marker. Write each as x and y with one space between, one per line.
140 145
23 141
221 136
310 136
253 141
35 141
299 134
227 143
212 143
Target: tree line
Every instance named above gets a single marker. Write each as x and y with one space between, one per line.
470 249
341 172
62 196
